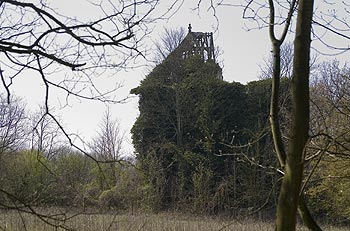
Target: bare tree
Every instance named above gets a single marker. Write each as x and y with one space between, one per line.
287 53
292 159
13 128
330 109
168 42
68 53
107 147
46 136
278 16
108 144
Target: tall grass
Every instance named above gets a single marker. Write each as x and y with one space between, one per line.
14 221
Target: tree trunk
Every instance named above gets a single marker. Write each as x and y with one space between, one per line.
305 215
289 195
274 106
178 119
277 135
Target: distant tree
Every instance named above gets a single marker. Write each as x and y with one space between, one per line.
46 136
107 148
329 149
71 177
13 125
13 138
168 42
107 145
26 180
286 54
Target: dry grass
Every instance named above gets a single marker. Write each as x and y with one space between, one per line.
11 221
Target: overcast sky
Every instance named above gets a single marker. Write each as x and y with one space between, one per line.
243 51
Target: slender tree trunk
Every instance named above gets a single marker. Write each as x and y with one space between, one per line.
290 190
306 216
179 125
274 105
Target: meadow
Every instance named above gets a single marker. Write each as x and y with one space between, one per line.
14 221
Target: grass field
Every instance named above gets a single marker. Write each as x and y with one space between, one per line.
13 221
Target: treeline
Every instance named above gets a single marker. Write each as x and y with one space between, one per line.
70 179
38 167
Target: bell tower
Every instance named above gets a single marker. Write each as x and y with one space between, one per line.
199 43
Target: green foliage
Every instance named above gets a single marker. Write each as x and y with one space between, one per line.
203 184
72 174
26 177
329 192
126 193
189 120
69 179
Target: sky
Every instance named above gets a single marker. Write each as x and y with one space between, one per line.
242 53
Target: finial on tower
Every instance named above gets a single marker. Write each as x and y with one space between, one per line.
189 28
